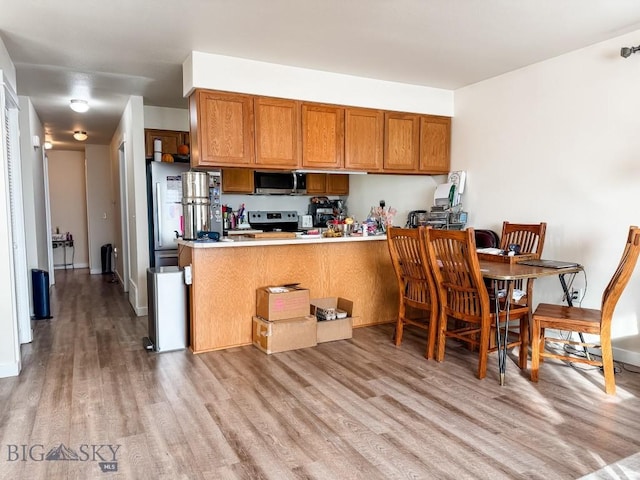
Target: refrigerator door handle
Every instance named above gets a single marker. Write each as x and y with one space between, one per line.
159 213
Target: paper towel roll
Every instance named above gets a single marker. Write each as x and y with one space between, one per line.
157 149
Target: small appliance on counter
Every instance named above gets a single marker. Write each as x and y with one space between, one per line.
274 221
417 218
447 212
195 204
323 210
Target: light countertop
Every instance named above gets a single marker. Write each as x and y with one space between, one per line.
244 241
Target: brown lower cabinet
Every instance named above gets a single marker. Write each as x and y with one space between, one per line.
223 304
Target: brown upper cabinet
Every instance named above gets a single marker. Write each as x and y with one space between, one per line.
327 184
277 132
401 141
363 139
337 184
237 180
322 136
238 130
435 144
416 143
221 129
171 139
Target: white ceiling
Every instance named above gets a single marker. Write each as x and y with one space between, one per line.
107 51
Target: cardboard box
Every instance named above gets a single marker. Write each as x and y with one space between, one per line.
284 335
506 258
282 302
338 329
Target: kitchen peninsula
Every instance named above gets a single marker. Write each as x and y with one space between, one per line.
226 275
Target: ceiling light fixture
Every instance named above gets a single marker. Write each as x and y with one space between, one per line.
628 51
80 136
79 106
48 145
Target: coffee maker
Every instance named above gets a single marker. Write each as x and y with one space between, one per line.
417 218
321 211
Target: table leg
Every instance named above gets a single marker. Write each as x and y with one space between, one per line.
567 295
501 340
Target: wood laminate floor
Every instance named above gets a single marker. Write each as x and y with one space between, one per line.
352 409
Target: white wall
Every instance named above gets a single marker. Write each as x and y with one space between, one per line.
218 72
402 192
35 219
559 142
68 197
162 118
9 347
130 131
100 218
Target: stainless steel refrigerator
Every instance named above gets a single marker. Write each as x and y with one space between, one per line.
164 192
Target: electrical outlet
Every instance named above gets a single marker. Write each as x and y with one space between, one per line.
576 295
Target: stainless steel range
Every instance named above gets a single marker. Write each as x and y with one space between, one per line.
274 221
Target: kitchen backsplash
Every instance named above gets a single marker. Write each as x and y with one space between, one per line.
402 192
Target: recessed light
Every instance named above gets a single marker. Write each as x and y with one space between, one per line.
48 145
79 106
80 135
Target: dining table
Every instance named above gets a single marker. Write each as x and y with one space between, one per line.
509 273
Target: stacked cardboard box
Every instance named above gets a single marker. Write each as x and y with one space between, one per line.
282 320
335 321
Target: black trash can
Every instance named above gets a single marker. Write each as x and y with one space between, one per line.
105 254
40 287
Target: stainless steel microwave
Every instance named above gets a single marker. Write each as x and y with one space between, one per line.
279 183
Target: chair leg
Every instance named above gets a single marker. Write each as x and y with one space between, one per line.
433 327
537 342
483 354
524 342
398 332
399 325
442 338
607 366
542 344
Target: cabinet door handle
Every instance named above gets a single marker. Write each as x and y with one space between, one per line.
159 214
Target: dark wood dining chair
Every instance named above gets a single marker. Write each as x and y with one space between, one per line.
418 304
463 297
486 238
530 237
586 320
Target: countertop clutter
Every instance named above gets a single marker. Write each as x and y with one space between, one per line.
247 241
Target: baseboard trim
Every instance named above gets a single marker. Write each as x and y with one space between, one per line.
10 369
71 267
626 356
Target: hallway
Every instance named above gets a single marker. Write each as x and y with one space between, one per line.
91 400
